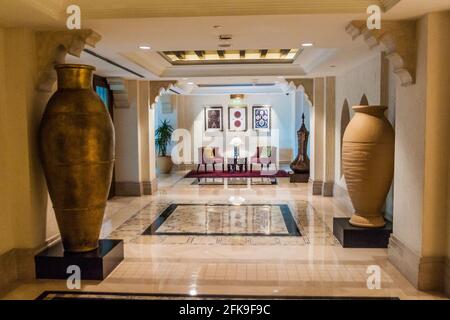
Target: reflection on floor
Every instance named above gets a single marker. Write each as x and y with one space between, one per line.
313 264
235 181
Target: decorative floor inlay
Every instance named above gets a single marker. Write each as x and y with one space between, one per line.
235 181
223 220
67 295
313 229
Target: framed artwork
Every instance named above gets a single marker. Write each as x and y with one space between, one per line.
214 118
262 118
237 118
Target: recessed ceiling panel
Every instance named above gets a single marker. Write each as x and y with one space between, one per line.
209 57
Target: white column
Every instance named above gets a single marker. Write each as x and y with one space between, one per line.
330 107
128 173
317 136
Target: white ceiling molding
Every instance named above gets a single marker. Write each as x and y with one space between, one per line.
398 39
108 9
388 4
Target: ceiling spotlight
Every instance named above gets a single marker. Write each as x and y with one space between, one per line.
190 83
184 79
145 47
307 44
280 77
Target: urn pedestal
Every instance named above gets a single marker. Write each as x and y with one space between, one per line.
76 140
368 163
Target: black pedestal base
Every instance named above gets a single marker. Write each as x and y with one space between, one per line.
354 237
52 263
299 178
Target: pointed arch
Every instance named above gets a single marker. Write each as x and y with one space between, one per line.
345 120
364 101
158 88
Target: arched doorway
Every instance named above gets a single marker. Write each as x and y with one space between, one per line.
364 101
345 119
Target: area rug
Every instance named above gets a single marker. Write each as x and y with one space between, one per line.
248 174
70 295
235 181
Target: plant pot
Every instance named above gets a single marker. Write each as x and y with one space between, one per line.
76 140
368 163
164 164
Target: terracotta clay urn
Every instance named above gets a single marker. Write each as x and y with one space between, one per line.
77 144
368 163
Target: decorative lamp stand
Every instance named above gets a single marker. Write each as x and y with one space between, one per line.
300 165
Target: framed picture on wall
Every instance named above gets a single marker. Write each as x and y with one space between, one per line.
262 117
237 118
214 118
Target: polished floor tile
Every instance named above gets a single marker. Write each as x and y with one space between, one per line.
226 263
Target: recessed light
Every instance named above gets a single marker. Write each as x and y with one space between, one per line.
145 47
190 83
307 44
184 79
280 77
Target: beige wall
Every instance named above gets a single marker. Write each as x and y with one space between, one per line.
436 136
25 212
190 115
7 240
420 245
364 78
420 201
410 151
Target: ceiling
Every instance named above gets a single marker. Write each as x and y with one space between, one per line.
179 25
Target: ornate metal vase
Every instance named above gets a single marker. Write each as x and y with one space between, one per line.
368 163
77 143
301 163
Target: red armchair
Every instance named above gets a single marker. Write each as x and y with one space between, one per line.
264 158
209 155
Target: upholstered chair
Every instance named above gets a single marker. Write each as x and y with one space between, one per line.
264 156
210 155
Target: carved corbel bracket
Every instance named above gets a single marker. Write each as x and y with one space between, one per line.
306 85
398 39
159 87
119 90
52 48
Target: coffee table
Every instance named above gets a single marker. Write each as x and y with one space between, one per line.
235 163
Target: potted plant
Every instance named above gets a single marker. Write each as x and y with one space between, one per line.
163 137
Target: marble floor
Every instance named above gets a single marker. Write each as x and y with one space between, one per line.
235 240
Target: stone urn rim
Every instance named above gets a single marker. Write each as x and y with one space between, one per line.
376 110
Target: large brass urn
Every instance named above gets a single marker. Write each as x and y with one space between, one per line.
77 144
368 163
